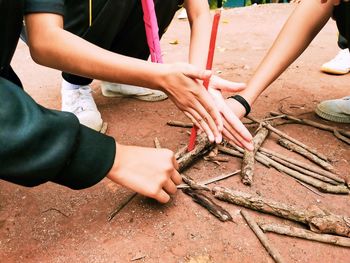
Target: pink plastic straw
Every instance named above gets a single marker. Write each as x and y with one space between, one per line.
151 27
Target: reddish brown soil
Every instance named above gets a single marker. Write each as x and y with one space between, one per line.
51 223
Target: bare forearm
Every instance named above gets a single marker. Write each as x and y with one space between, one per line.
56 48
302 26
200 23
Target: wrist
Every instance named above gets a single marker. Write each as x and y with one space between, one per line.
243 102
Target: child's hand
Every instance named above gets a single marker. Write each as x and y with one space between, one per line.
234 130
150 172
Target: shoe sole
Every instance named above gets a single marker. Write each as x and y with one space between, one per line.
331 117
334 71
146 97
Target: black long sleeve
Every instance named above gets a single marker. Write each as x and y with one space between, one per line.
39 145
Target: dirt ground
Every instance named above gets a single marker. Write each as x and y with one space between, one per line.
50 223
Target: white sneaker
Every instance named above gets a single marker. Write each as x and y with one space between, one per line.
335 110
122 90
81 103
338 65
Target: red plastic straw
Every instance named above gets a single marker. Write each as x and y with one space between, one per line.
214 31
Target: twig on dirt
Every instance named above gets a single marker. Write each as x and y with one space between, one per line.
249 156
308 187
306 166
341 137
180 124
307 154
305 234
304 171
104 128
157 143
313 124
205 201
54 209
203 146
262 237
123 204
216 159
211 180
193 184
318 220
285 136
322 186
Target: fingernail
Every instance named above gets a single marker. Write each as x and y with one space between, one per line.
211 138
218 139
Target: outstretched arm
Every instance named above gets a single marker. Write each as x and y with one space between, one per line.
302 26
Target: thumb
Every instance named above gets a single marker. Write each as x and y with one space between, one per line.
195 73
226 85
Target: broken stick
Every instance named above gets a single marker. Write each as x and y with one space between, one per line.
262 237
309 167
307 154
318 220
202 147
180 124
305 234
285 136
313 124
205 201
249 156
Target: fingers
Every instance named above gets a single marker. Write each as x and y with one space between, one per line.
225 85
195 73
162 197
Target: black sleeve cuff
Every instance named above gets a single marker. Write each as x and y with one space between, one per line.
90 162
44 6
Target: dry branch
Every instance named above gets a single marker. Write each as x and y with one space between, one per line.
314 124
285 136
337 134
305 234
121 206
193 184
157 143
180 124
304 171
322 186
249 156
307 154
318 220
203 146
309 167
205 201
262 237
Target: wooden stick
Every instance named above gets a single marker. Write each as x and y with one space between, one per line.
209 204
308 187
157 143
285 136
211 180
314 124
322 186
318 220
239 153
193 184
305 234
302 151
202 147
123 204
249 156
268 162
337 134
262 237
304 171
309 167
180 124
